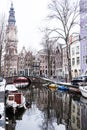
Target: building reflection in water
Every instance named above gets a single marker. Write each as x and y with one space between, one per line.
11 119
57 107
79 114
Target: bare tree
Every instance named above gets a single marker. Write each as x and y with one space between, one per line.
66 15
2 38
48 48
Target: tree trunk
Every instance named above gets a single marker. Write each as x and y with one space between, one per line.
69 62
69 69
0 60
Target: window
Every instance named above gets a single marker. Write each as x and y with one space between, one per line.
73 108
84 59
78 60
86 26
46 71
73 51
73 61
11 98
78 111
14 71
73 119
45 66
86 48
77 50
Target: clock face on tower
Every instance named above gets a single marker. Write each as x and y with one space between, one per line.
12 27
12 34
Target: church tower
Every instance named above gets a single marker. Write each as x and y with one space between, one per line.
11 54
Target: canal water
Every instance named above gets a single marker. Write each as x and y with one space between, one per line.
2 113
50 110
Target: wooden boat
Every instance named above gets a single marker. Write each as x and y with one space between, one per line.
21 82
52 86
83 90
14 100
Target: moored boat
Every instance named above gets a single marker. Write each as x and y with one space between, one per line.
83 100
14 100
11 88
52 86
83 90
1 110
2 84
64 88
21 82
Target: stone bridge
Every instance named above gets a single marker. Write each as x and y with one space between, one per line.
32 79
40 80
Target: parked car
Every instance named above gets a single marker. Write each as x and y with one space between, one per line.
81 80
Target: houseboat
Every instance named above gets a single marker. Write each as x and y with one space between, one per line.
14 99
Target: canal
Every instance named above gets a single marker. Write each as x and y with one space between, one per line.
2 114
50 110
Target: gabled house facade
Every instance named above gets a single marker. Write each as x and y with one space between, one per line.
83 37
75 56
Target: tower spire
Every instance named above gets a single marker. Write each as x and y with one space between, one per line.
11 19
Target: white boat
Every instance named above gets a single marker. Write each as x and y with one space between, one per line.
83 90
1 110
83 100
2 84
11 88
15 99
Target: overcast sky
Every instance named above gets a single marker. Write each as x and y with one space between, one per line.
30 15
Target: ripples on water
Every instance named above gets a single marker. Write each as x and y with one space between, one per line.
50 110
2 119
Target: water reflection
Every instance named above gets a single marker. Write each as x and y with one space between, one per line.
2 113
50 110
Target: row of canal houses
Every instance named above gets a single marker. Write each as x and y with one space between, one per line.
79 49
38 65
25 63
